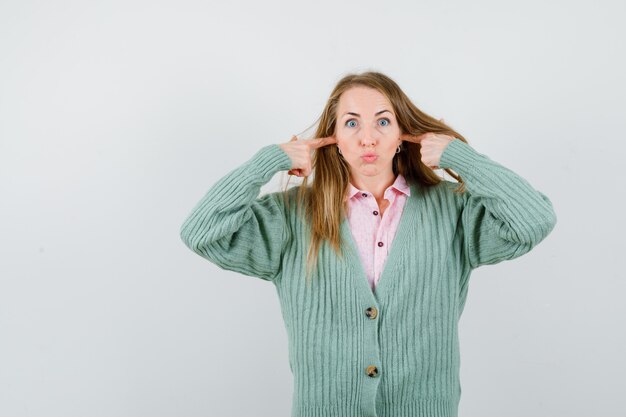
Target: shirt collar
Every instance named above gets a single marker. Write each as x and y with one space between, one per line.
399 184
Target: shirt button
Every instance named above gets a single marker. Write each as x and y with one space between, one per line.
364 195
380 244
371 312
371 371
375 213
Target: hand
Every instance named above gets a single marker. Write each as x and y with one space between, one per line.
432 146
301 150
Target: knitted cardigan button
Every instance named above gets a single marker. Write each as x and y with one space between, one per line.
371 312
371 371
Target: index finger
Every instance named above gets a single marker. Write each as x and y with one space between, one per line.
320 142
412 138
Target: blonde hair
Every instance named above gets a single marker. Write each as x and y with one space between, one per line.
323 202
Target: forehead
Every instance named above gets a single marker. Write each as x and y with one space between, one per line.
363 98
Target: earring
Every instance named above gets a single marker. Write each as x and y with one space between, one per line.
398 150
339 150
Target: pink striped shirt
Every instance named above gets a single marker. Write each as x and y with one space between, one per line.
372 233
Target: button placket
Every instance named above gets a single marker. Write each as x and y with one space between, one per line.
380 236
380 244
372 370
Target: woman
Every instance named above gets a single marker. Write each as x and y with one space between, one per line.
371 262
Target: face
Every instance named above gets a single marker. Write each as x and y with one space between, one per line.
366 125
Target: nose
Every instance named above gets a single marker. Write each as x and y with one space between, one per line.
368 136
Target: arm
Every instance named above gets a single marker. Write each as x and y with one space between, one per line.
503 217
234 228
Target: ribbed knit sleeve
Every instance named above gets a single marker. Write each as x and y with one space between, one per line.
503 217
236 229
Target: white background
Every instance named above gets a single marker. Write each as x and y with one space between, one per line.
117 116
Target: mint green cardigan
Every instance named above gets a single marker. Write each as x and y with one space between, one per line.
354 352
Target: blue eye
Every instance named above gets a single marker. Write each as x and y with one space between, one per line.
351 121
386 122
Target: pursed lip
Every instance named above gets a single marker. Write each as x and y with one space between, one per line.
368 154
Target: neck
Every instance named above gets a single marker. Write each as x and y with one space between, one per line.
375 185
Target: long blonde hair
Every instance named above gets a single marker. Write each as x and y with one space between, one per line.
323 201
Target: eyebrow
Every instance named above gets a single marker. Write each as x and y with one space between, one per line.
358 115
